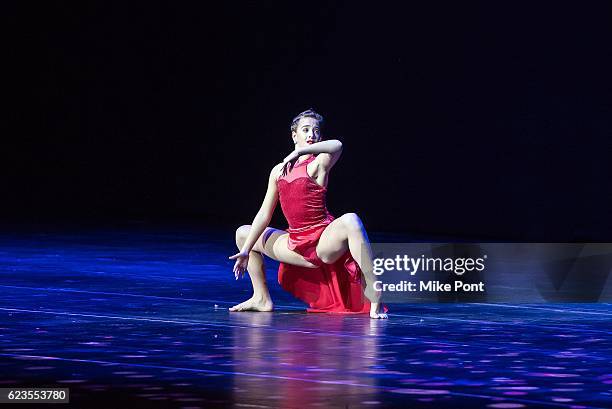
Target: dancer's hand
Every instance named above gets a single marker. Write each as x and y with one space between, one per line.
242 261
289 162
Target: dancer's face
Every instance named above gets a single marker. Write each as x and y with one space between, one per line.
308 132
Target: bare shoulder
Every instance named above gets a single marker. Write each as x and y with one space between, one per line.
276 171
322 158
325 161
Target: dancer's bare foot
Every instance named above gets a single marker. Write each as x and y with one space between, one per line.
375 311
376 308
254 304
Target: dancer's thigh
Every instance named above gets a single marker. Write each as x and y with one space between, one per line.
273 243
333 242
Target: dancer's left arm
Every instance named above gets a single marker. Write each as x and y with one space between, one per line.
328 153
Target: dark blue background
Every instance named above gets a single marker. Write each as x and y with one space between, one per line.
488 120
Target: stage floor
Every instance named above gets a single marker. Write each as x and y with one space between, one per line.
138 318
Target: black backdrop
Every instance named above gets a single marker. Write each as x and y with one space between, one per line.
489 120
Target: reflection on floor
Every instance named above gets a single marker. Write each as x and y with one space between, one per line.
140 317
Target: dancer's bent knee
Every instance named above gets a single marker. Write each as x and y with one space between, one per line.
242 233
352 222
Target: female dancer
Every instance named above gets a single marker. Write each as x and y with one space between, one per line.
322 259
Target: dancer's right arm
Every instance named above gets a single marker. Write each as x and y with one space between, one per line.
259 224
264 215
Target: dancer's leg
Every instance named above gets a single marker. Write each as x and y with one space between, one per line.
272 243
260 301
347 233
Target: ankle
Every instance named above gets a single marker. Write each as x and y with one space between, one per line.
373 296
262 298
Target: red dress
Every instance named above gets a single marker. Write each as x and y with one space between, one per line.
329 287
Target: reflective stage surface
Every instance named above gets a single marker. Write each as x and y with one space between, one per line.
138 318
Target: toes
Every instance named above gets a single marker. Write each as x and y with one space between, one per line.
250 305
236 308
240 307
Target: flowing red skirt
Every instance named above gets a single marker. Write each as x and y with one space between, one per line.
333 288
